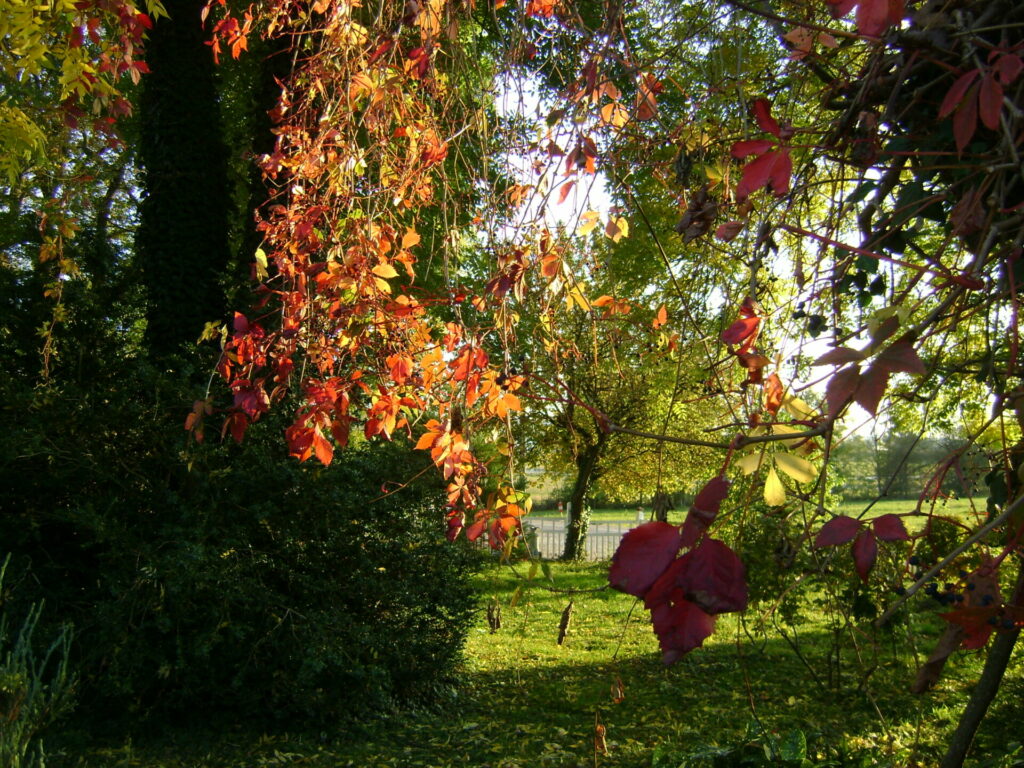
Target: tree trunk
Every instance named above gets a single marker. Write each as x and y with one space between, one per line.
986 689
182 242
579 513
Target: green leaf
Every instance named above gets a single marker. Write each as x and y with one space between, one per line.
794 747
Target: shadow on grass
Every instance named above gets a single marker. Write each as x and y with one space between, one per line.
535 704
526 702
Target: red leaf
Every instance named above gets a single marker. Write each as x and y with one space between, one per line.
875 16
740 330
565 190
974 621
473 531
990 101
773 391
711 576
680 627
890 528
709 499
782 169
865 550
742 149
871 388
840 356
838 530
1008 67
841 388
965 121
728 231
762 110
840 7
704 510
643 555
693 528
454 526
956 93
756 174
901 357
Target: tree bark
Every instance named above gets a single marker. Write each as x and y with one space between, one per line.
579 513
182 241
986 689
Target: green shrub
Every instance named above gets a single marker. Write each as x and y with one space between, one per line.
228 579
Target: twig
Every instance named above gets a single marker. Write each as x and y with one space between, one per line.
959 550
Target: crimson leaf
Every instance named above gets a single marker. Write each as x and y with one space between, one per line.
865 550
838 530
643 554
889 528
680 627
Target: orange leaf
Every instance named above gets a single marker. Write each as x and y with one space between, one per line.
660 318
322 448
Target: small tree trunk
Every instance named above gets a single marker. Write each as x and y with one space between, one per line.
579 512
986 689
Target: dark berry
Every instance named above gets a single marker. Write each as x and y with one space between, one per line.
993 620
971 586
1007 623
987 599
915 560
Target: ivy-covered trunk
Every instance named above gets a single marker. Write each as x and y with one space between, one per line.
182 242
579 512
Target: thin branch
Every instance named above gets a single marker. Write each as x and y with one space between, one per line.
982 532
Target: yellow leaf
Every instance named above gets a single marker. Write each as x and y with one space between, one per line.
798 408
588 222
385 270
750 463
799 469
410 238
614 114
617 229
774 493
576 295
785 429
261 264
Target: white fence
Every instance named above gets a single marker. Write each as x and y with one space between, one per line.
602 537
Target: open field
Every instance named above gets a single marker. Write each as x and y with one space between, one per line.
526 702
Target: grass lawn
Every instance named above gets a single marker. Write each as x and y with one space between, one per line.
527 702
